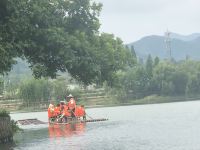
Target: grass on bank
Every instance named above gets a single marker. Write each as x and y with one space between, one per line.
154 99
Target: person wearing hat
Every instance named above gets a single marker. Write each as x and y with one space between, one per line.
71 105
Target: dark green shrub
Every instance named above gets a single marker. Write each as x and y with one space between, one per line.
4 113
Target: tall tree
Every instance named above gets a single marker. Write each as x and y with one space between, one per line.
58 35
1 85
156 61
149 66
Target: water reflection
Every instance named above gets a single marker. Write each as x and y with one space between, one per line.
67 130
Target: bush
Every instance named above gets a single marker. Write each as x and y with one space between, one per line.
4 113
14 126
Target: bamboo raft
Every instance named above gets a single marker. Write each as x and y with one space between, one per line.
30 121
38 122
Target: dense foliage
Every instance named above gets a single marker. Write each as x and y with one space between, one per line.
4 113
1 85
154 77
63 36
42 90
59 35
164 78
35 90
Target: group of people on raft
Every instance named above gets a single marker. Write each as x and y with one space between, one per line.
66 110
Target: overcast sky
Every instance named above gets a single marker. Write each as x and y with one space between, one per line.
133 19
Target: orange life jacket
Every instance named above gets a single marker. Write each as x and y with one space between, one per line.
57 111
79 111
50 113
66 112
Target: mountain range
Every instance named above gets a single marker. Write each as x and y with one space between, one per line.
182 46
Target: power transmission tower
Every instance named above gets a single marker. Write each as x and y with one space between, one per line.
168 43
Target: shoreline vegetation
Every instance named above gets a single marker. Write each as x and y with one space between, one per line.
153 99
161 82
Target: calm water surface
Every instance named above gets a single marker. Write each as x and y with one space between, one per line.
173 126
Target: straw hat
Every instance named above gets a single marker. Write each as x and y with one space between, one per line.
70 95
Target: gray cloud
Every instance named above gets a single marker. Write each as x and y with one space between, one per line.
133 19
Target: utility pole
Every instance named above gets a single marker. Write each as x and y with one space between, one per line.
168 44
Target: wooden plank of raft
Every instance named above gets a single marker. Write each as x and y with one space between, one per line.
95 120
80 121
37 122
30 121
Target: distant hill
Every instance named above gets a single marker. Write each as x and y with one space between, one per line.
190 37
21 70
181 46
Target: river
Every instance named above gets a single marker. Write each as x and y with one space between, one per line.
171 126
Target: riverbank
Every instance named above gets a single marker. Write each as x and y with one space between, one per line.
153 99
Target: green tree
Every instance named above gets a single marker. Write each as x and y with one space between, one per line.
156 61
135 81
167 88
180 81
149 66
60 89
1 85
61 36
33 90
162 76
111 56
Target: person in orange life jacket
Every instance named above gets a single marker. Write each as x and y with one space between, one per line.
51 114
57 110
80 112
64 112
62 106
71 105
62 103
